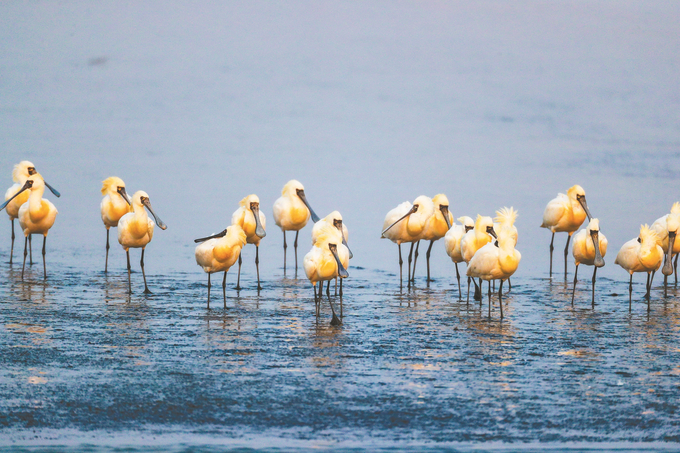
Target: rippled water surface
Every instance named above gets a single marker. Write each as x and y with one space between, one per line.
368 104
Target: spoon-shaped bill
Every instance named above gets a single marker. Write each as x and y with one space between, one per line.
344 242
27 185
413 209
301 194
159 222
342 272
121 191
668 264
218 235
491 231
259 231
599 261
55 191
584 204
445 212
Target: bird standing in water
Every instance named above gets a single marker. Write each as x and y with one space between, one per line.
253 223
590 247
114 205
666 228
452 244
641 254
334 219
474 240
436 227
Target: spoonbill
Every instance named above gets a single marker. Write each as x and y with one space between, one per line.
435 228
590 247
135 229
452 244
291 212
666 228
21 172
115 205
333 219
219 252
36 216
409 231
325 262
474 240
641 254
505 218
253 222
565 213
493 262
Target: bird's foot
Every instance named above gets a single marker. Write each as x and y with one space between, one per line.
237 288
146 291
335 321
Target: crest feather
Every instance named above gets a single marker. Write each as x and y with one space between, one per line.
506 216
676 208
647 234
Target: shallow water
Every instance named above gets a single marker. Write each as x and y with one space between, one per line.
368 105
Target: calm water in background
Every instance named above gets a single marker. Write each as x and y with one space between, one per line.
368 105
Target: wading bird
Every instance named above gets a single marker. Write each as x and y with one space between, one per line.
253 222
452 244
36 216
666 228
135 229
22 171
641 254
505 218
590 247
333 219
474 240
291 212
325 262
217 253
115 205
565 213
435 228
496 262
406 223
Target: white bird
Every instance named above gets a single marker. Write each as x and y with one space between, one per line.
435 228
333 219
217 253
411 229
666 228
291 213
114 205
590 247
36 216
505 218
452 244
325 262
253 222
135 230
474 240
21 172
565 213
496 262
641 254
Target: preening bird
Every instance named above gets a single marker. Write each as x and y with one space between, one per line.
496 262
452 243
327 260
36 216
135 230
436 227
590 247
253 222
217 253
641 254
291 213
406 223
565 213
474 240
666 228
114 205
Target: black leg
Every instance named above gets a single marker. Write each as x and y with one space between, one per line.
478 294
127 252
335 321
509 283
238 278
651 282
11 253
208 290
489 298
675 268
224 289
30 249
43 254
460 293
594 273
297 233
648 285
336 286
328 289
630 293
410 257
257 266
25 253
415 260
106 265
665 286
285 246
468 292
500 297
427 255
574 291
401 262
141 263
566 252
341 293
551 251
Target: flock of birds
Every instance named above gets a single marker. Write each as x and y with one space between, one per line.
486 245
